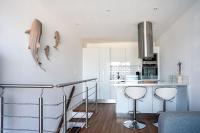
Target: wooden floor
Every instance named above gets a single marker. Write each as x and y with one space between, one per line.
105 121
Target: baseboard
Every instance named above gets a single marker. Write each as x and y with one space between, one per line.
106 101
101 100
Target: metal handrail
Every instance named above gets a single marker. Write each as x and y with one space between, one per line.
32 104
26 86
41 105
75 82
32 117
81 93
27 130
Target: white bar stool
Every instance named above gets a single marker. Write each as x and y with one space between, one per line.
165 94
134 93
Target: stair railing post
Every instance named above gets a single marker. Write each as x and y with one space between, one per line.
96 98
86 108
41 130
40 115
2 111
64 114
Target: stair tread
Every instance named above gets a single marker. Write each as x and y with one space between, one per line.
78 120
74 130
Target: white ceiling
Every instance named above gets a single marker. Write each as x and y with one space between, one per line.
117 19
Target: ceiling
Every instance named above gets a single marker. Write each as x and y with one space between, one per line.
117 19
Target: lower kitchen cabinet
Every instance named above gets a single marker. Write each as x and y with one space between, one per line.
150 103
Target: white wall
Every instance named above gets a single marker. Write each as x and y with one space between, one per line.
181 42
17 65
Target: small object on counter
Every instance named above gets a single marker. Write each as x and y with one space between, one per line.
179 68
138 74
179 79
179 76
118 76
132 79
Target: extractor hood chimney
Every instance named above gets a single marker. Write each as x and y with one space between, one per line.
145 40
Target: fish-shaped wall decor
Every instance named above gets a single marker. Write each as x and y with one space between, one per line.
47 49
34 39
57 40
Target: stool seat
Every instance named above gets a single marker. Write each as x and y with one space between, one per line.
166 93
135 92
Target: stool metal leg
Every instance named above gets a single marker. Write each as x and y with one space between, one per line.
134 123
164 106
164 110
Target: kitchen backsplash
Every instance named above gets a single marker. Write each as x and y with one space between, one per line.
119 71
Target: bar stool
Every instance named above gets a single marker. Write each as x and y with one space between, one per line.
165 94
134 93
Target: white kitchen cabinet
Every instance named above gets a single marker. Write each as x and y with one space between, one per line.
90 63
112 91
104 73
118 54
131 55
96 64
125 55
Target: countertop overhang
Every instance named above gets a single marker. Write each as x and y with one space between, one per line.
149 84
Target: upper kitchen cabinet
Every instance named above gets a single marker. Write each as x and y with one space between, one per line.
132 56
129 55
118 54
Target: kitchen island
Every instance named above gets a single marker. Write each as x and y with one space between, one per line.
150 103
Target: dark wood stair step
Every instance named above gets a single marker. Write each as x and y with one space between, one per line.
74 130
78 120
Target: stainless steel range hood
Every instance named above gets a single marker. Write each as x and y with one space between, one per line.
145 40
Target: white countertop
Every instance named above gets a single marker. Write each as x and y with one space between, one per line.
120 80
149 84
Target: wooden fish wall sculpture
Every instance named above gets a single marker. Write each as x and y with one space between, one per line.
47 49
34 39
57 40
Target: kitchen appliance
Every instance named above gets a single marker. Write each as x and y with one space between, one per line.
150 67
131 78
145 40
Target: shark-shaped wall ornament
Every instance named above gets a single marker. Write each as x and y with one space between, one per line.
34 40
57 40
47 50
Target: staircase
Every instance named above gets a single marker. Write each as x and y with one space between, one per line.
79 117
74 130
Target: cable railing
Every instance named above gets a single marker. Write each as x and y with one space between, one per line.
84 101
67 106
40 104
